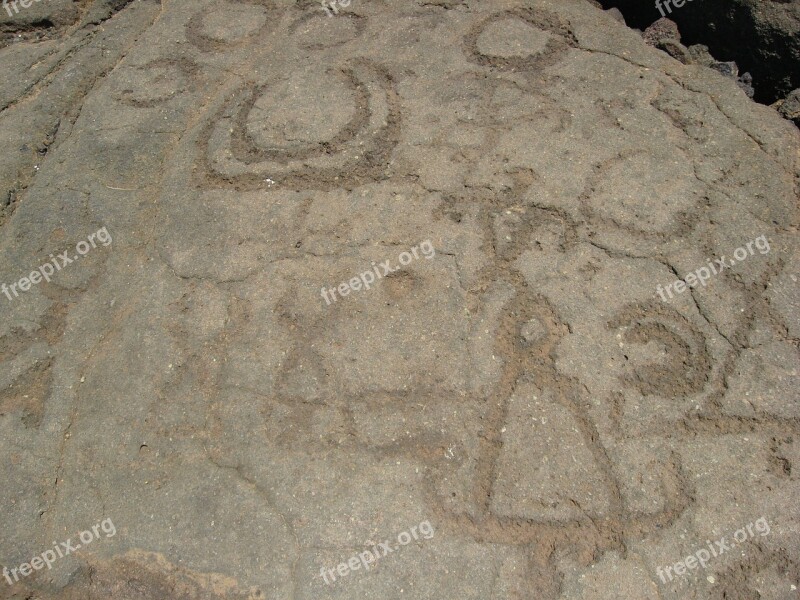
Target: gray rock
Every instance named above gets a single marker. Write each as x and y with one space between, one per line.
727 68
745 83
700 55
675 49
660 30
617 14
790 108
495 195
763 36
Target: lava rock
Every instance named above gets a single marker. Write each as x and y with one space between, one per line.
790 107
701 55
615 12
727 68
675 49
662 29
763 36
745 82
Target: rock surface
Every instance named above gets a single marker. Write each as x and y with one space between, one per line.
790 107
532 172
762 36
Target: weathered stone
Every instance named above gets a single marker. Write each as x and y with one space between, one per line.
380 264
790 107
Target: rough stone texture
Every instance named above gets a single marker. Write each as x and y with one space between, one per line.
660 30
525 390
762 36
790 107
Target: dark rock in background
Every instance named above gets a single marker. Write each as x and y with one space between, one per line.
790 107
763 37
